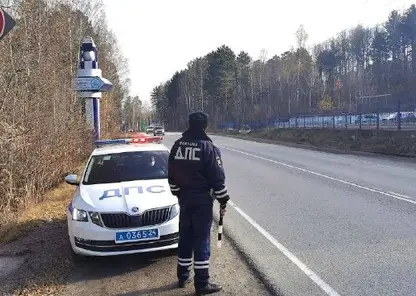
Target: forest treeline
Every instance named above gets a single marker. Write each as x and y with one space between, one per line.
43 134
336 76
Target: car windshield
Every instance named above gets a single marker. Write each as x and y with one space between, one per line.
127 166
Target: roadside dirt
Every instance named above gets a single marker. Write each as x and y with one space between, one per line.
46 261
37 261
156 275
34 249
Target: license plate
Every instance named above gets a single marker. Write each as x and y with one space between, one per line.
137 235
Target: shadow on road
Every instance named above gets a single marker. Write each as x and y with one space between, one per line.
43 247
44 256
155 291
108 267
137 274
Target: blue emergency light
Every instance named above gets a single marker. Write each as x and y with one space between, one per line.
141 140
112 142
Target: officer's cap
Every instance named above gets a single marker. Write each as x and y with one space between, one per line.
198 119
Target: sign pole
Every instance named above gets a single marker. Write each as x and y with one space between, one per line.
90 84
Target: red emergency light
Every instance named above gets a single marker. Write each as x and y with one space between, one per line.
141 139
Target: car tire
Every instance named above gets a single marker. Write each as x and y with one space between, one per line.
77 258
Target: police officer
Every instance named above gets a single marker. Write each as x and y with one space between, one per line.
196 176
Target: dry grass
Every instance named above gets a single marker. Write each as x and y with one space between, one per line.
52 208
47 266
42 131
396 143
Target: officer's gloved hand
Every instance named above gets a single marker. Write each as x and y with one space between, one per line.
175 190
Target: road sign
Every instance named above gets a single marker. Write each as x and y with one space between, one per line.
6 23
97 84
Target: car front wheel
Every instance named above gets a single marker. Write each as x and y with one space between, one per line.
77 258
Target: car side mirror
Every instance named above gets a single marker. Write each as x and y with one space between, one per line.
72 179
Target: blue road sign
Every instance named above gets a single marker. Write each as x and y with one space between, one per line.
97 84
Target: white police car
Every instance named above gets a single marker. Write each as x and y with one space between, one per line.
122 203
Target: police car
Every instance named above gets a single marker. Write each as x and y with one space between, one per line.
122 203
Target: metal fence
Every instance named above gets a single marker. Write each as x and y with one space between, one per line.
389 121
385 111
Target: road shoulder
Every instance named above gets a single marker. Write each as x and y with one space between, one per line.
36 260
155 274
34 254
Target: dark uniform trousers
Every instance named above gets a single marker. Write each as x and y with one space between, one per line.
195 223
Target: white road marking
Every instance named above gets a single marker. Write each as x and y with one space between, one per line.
328 154
305 269
173 134
389 194
401 195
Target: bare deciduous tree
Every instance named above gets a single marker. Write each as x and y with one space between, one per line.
43 134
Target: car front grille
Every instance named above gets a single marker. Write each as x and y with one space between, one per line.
148 218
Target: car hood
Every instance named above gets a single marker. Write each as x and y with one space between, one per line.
124 196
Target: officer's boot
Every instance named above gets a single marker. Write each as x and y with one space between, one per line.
210 288
183 283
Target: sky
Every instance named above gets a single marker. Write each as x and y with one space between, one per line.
159 37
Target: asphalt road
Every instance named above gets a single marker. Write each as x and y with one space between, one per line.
315 223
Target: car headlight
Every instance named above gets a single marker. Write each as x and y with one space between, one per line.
79 215
174 211
95 218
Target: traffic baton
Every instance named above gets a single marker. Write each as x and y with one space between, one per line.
219 242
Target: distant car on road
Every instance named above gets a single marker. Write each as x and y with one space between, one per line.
150 129
366 119
122 203
406 117
158 131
